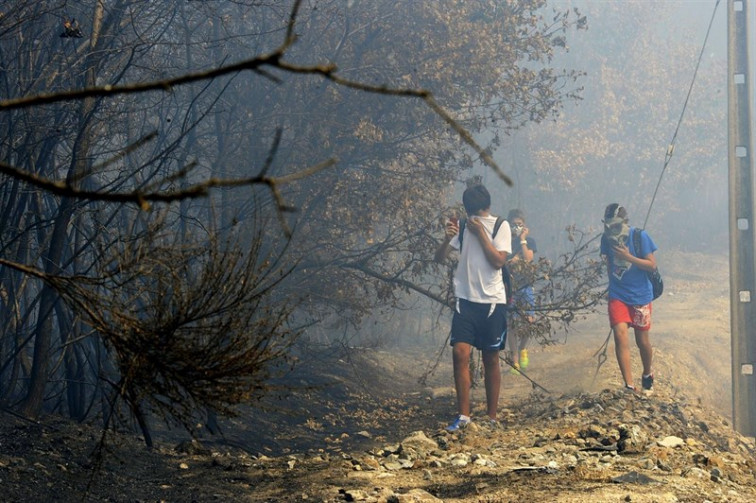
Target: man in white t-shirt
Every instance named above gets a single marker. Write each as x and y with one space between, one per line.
480 318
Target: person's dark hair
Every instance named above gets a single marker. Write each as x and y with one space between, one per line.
516 213
476 198
615 210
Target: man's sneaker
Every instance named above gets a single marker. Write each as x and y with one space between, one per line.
524 361
459 423
648 383
515 370
630 388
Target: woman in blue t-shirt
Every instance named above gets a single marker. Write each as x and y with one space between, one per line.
523 299
630 291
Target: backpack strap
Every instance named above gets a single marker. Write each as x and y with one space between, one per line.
497 225
499 221
637 241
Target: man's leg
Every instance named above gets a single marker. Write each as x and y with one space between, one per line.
493 381
622 350
643 341
525 331
462 381
514 345
524 340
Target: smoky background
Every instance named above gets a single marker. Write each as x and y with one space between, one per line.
575 101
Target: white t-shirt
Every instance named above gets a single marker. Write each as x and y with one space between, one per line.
476 279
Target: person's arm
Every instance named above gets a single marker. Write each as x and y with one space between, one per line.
527 253
495 257
451 230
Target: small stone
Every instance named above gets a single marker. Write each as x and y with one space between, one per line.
392 465
417 496
716 474
671 441
355 495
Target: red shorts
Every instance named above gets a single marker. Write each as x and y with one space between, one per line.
638 317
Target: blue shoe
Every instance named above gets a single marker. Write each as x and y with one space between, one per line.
460 423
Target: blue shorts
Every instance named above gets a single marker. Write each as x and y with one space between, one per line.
523 302
473 325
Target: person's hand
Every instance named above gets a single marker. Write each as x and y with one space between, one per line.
452 228
476 226
524 233
622 252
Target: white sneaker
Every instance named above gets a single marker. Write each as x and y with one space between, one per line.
460 423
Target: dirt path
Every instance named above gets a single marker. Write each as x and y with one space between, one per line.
374 395
315 442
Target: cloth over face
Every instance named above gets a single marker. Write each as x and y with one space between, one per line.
617 232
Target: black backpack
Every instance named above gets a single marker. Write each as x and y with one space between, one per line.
505 275
654 277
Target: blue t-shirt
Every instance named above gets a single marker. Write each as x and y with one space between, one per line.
630 284
520 282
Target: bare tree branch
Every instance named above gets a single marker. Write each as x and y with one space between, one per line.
143 199
273 60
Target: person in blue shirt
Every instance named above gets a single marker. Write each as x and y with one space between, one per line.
630 291
523 299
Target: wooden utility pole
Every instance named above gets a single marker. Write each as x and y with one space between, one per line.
741 221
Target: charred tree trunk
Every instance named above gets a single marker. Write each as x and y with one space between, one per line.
32 403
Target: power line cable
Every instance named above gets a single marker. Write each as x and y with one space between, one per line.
671 147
